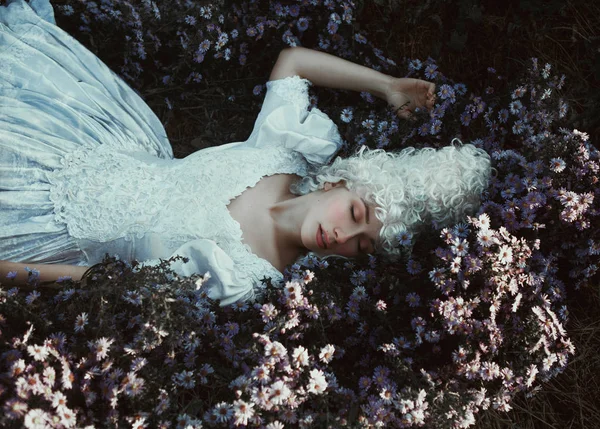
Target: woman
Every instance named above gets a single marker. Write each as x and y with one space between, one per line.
87 169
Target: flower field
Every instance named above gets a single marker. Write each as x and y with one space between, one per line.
490 323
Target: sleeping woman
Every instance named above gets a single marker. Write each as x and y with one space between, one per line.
86 169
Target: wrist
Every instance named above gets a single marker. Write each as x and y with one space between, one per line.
382 85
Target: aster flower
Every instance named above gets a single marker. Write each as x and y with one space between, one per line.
32 297
413 267
317 383
279 392
404 238
242 412
436 127
380 305
431 71
413 299
460 246
300 357
326 354
223 412
505 254
37 418
302 24
80 322
360 38
445 92
557 165
38 353
346 115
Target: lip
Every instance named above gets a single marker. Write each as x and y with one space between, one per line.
320 242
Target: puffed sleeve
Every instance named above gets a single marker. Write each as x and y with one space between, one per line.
206 256
285 120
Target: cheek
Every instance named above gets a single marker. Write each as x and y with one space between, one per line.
338 213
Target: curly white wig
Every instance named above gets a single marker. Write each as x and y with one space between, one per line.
409 189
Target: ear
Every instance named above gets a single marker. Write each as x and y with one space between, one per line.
328 185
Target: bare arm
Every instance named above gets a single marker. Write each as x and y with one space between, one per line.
403 94
327 70
47 273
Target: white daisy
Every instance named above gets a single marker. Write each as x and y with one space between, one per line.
505 255
300 356
326 354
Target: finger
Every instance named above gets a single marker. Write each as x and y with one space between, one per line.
406 114
431 88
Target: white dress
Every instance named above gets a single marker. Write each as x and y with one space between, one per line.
86 167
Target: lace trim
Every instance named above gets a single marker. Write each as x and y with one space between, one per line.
103 195
293 89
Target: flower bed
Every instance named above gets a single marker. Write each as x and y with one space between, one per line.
475 316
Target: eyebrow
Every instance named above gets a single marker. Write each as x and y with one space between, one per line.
368 219
367 209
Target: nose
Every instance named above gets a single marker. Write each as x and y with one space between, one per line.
341 236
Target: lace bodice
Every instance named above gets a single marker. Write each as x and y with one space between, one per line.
105 195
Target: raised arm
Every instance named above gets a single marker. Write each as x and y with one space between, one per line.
47 273
323 69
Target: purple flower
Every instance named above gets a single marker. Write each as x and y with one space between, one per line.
460 88
436 127
415 65
360 38
431 71
332 27
346 115
302 24
445 92
465 119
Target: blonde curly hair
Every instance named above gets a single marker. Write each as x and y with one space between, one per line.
409 189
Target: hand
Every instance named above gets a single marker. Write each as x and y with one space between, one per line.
406 94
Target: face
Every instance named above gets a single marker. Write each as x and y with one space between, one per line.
348 225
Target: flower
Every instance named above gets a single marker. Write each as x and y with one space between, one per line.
405 238
431 71
280 392
557 165
317 383
80 322
326 354
415 65
32 297
302 24
300 357
223 412
505 255
39 353
242 412
413 299
346 115
360 38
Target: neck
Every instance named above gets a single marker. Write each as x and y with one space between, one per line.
288 214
